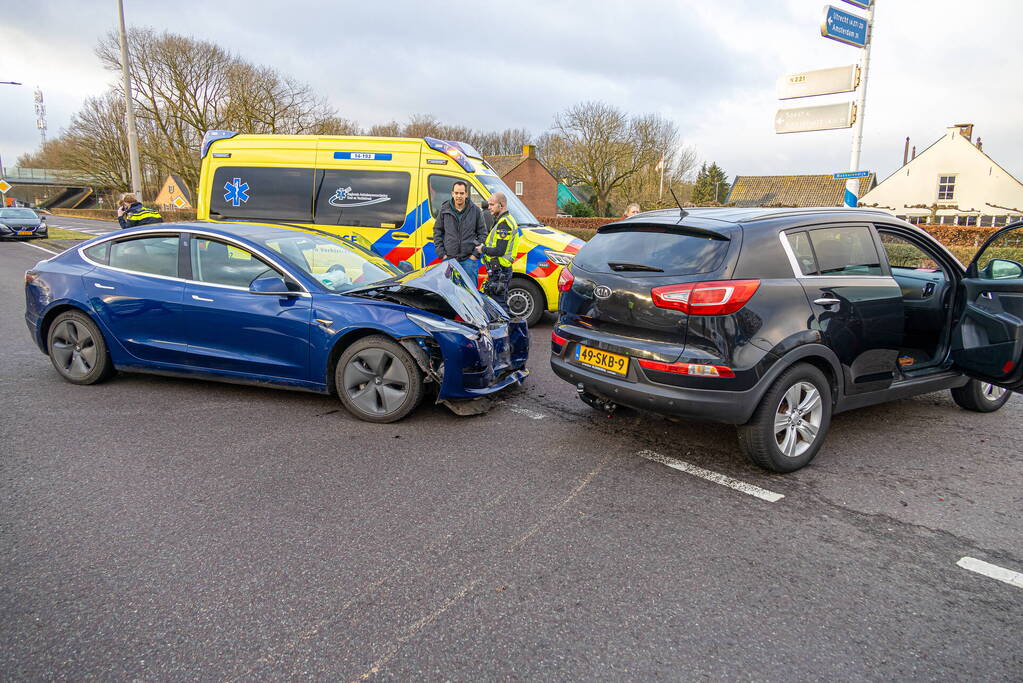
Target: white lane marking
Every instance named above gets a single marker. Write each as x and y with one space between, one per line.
992 571
531 414
715 477
36 246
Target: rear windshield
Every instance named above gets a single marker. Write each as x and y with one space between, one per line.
641 251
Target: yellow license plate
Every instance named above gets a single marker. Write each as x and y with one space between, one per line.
604 360
24 232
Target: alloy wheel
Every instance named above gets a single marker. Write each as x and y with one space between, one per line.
74 349
991 392
376 381
797 419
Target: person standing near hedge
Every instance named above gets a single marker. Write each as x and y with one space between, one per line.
131 213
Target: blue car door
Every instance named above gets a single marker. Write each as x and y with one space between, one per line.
136 291
231 329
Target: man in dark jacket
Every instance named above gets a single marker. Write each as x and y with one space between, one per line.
459 229
131 213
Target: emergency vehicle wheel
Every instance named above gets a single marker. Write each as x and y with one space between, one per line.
525 300
377 380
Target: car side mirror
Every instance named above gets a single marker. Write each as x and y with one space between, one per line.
270 286
1004 269
405 267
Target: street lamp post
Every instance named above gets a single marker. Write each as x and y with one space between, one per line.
133 144
3 196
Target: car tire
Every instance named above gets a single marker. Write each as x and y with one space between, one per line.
789 426
377 380
980 397
526 300
77 349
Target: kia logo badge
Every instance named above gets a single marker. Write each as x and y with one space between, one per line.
602 292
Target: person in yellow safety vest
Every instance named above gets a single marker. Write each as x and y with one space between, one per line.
499 249
131 213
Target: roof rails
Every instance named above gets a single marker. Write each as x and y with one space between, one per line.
803 211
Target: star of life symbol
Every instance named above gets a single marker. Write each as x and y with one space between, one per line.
237 192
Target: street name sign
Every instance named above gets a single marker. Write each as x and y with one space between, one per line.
845 27
5 186
845 175
825 117
820 82
862 4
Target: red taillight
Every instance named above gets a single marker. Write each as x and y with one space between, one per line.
720 297
558 339
30 276
692 369
565 280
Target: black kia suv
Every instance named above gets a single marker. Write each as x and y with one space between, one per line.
775 319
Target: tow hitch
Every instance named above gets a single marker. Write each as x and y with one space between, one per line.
595 401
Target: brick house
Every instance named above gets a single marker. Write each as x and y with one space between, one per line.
528 179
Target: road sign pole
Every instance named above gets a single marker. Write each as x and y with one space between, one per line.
852 185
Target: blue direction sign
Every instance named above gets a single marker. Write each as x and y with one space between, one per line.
862 4
844 27
845 175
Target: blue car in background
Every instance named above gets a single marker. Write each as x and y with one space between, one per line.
271 305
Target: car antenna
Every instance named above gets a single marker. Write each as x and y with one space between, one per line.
682 212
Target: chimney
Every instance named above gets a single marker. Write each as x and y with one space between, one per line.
914 153
965 129
529 151
905 152
980 144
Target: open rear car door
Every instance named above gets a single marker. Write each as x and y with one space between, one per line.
987 340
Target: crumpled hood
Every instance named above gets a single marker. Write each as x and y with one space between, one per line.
447 280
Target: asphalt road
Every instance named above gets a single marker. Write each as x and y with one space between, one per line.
156 528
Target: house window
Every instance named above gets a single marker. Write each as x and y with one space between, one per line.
967 220
946 187
518 187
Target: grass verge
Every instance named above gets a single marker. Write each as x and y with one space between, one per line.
62 234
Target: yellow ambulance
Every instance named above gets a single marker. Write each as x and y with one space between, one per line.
381 191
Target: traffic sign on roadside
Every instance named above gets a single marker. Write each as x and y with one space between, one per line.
820 82
845 175
862 4
845 27
826 117
5 186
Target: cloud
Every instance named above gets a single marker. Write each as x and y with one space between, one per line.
709 66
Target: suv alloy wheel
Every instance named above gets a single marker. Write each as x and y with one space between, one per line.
791 422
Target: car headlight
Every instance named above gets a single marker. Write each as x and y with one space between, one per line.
561 258
434 325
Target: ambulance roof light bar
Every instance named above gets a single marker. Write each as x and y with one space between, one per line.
452 150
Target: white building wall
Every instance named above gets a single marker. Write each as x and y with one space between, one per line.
982 188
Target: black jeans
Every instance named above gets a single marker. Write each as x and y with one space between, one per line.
498 279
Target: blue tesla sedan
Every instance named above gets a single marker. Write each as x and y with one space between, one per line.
273 305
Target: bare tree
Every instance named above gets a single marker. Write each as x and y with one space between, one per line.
598 145
184 87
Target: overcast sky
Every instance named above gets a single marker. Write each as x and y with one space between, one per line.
710 66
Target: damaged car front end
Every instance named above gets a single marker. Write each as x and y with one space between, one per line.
469 347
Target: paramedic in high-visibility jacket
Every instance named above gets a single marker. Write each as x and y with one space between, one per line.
131 213
499 249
